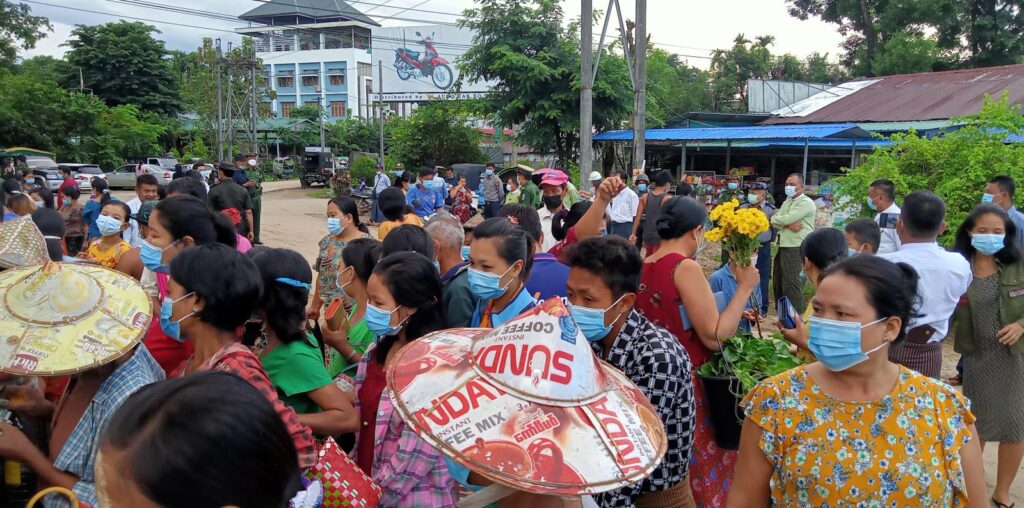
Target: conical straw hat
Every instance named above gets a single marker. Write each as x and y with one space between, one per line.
528 405
21 244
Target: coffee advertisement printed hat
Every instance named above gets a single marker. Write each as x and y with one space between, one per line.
528 405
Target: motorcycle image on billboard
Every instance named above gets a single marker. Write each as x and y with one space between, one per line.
428 63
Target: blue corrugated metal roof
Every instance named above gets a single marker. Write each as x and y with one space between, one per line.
773 132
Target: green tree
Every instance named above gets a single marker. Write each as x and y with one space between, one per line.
673 88
731 68
47 68
30 112
955 166
534 60
124 64
353 135
906 53
19 29
437 133
819 69
983 33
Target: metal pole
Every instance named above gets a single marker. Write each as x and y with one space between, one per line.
728 156
231 122
806 148
853 154
380 106
255 99
220 110
639 91
320 114
586 89
682 165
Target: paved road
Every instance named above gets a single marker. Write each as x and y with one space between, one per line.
295 221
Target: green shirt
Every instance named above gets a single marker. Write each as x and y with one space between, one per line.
359 337
295 369
529 195
799 209
571 197
512 197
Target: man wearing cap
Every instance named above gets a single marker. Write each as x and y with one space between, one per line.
529 193
380 182
491 192
604 276
229 194
622 210
757 198
595 180
553 186
241 177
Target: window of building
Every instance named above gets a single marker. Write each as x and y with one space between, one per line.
337 79
283 41
285 81
338 38
309 40
286 109
310 80
365 69
338 108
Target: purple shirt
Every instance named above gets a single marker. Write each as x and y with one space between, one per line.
547 277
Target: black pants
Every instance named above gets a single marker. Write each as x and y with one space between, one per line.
491 209
788 263
764 267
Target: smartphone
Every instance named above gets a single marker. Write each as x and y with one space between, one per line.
888 220
788 315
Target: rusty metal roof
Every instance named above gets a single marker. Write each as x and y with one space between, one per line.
907 97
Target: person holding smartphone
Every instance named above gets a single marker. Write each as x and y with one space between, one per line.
820 250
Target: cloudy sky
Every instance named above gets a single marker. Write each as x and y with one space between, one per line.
686 27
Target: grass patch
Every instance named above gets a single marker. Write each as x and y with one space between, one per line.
324 193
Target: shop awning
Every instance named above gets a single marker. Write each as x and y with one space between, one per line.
746 133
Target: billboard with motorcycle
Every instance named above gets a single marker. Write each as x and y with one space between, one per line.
420 62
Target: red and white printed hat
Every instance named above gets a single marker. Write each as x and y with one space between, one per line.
528 405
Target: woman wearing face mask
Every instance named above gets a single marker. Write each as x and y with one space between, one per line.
97 200
462 200
352 337
211 292
864 431
343 226
821 249
404 304
673 285
500 259
989 322
174 225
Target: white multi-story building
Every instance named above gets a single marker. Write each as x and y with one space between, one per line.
315 52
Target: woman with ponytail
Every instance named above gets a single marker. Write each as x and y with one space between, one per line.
343 226
404 304
500 259
289 352
675 294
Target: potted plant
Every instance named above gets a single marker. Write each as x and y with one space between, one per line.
730 373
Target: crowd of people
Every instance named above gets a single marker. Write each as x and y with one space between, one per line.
266 357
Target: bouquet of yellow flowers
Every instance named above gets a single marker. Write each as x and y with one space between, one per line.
737 229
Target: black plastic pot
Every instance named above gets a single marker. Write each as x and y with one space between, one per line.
723 406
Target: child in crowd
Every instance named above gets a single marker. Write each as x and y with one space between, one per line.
107 250
863 236
74 226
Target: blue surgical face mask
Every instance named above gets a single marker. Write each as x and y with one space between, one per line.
871 204
591 321
172 328
437 266
379 321
850 252
752 199
642 187
987 198
487 286
790 191
334 226
988 244
732 186
701 243
108 225
837 344
39 204
153 257
341 285
465 252
489 172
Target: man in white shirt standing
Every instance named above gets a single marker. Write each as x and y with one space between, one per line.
882 196
621 211
146 189
944 278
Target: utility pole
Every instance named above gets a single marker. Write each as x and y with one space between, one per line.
220 110
255 98
231 123
320 114
380 106
640 83
586 89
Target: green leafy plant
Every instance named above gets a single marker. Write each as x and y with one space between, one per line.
749 360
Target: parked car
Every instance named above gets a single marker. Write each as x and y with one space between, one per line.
45 170
124 176
84 173
153 160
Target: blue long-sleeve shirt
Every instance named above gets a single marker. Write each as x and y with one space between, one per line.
723 281
424 200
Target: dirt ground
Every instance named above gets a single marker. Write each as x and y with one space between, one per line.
295 221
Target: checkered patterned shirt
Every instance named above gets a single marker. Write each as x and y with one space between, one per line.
78 456
655 361
411 473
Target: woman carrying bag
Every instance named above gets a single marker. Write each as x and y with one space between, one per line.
989 322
